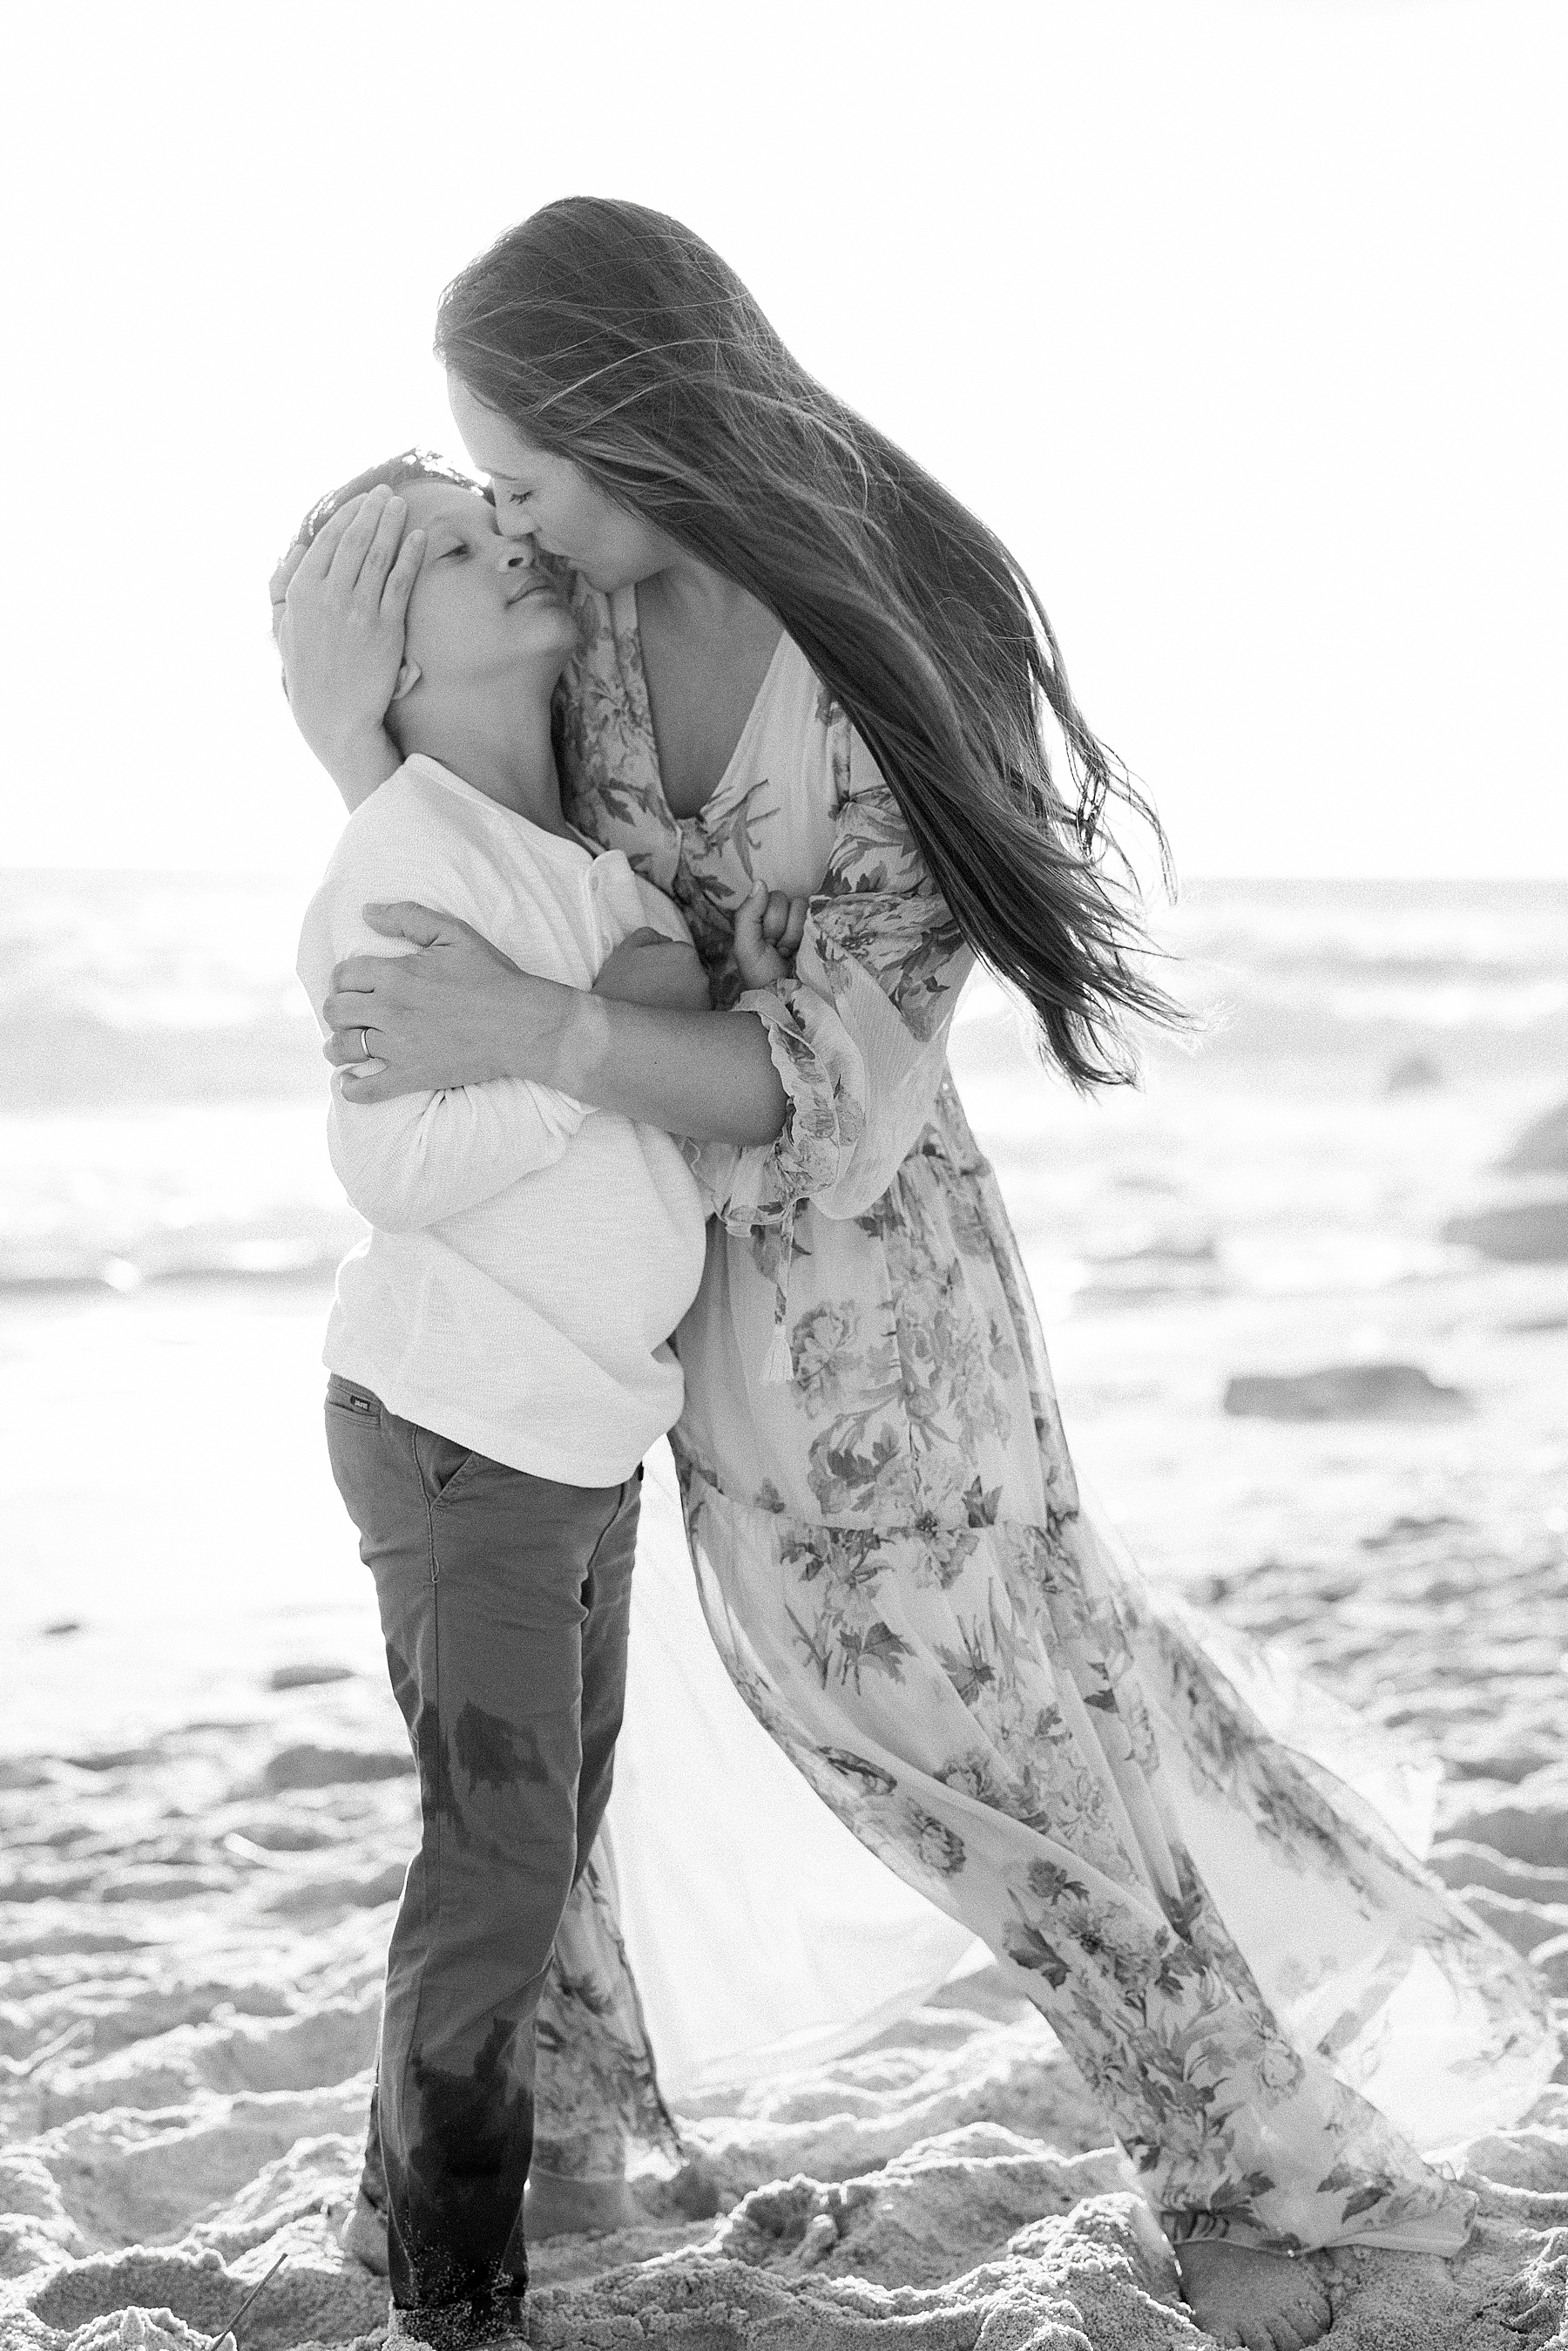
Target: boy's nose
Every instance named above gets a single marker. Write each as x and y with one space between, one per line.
519 554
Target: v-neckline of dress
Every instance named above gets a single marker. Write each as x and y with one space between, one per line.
724 791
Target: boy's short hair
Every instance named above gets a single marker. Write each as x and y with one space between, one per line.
408 466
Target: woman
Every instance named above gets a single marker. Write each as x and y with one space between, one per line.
805 663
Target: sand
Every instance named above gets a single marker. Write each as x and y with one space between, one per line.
206 1804
190 1955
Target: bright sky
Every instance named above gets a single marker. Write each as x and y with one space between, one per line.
1241 320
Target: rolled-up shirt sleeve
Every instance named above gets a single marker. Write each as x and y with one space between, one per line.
419 1158
858 1035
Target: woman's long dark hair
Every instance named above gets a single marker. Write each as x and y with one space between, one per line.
614 335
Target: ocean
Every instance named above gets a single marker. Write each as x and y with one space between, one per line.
1275 1197
164 1090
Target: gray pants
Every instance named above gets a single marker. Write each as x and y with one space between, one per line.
505 1602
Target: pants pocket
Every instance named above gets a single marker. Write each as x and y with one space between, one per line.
442 1461
359 1404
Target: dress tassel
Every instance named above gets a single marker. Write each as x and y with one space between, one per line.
778 1364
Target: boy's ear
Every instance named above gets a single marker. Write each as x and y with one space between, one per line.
409 677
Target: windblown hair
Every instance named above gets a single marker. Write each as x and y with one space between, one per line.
612 335
408 466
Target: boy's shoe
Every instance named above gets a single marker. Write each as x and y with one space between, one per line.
455 2327
403 2326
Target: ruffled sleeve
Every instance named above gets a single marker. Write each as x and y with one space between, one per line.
858 1035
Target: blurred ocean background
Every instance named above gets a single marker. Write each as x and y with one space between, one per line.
1324 1175
162 1086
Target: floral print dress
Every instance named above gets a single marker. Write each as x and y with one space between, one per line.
1271 1997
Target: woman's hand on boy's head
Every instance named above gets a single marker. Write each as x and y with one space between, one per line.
338 608
768 927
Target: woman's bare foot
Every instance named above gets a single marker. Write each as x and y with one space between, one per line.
555 2206
1237 2295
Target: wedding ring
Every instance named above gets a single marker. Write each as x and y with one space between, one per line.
364 1044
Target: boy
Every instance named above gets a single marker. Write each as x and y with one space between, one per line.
499 1360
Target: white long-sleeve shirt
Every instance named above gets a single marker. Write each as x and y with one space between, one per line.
529 1256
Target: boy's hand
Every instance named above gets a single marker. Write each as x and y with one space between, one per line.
650 968
768 932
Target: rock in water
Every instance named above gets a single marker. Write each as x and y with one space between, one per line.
1542 1149
1412 1073
310 1766
1344 1392
1519 1232
287 1678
